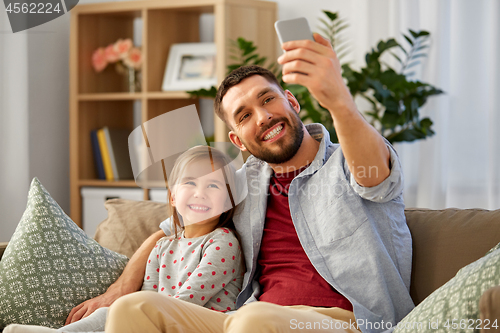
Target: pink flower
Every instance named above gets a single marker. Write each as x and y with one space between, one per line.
134 58
99 60
111 54
122 47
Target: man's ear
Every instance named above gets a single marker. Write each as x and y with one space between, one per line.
293 101
236 141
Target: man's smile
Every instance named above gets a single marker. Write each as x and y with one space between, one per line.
274 133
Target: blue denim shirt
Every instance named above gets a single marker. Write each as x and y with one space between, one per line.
356 237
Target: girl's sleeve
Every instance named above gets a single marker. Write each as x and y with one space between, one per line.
219 265
152 275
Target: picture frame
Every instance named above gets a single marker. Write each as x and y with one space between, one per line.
190 66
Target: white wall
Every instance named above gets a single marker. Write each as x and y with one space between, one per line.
48 102
48 76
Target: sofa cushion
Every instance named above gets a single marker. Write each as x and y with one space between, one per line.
454 306
51 265
445 241
129 223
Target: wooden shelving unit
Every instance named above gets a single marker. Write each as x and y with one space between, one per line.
101 99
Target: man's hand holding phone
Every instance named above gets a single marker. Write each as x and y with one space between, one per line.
313 64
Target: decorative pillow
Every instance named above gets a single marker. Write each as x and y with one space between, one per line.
454 306
129 223
51 265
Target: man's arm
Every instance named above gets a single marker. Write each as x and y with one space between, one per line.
129 282
315 66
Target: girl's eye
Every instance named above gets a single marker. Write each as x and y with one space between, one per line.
213 186
190 183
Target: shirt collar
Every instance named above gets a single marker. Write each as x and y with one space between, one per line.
319 133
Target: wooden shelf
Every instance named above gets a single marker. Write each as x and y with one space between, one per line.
106 183
168 95
124 96
121 96
101 99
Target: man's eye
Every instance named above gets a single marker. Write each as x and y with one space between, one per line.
267 100
245 116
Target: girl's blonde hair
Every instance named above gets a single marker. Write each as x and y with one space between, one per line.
218 160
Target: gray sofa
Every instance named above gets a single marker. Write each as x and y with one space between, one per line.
443 242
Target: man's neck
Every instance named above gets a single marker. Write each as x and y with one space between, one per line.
304 156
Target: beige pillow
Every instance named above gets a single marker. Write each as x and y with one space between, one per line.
129 223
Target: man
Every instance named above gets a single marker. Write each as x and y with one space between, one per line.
323 228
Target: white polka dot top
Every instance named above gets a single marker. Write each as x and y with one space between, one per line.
206 270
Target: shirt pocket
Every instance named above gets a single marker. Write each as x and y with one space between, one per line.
337 216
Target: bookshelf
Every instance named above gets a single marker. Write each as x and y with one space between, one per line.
101 99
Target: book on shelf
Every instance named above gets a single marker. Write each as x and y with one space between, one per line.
105 154
117 140
114 154
97 155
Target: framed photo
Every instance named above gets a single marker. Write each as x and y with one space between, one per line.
190 66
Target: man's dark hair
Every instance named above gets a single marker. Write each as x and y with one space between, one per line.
235 77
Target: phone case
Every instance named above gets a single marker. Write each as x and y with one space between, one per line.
294 29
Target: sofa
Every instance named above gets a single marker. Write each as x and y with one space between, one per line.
444 241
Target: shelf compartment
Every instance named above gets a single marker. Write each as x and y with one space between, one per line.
158 107
94 115
166 27
100 30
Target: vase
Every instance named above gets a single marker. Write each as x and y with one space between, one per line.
133 80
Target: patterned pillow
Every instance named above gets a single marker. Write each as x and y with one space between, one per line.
454 306
51 265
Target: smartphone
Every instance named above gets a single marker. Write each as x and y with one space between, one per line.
294 29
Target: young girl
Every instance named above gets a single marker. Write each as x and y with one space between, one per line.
201 262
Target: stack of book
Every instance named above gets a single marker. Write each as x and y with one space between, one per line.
111 156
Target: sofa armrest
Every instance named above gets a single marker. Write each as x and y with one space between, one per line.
2 248
489 308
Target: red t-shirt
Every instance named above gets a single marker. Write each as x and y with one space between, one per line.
288 277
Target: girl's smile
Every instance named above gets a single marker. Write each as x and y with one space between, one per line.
201 194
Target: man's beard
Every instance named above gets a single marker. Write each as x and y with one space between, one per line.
287 151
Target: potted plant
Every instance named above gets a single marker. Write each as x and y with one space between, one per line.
395 99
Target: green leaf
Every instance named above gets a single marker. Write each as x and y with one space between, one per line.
408 39
403 49
204 92
331 16
419 55
421 47
383 46
413 64
390 120
260 61
250 58
406 135
413 33
326 32
426 123
325 23
339 22
341 28
397 58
